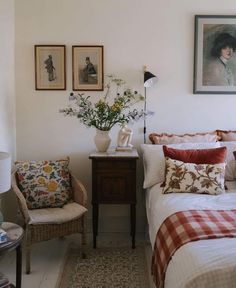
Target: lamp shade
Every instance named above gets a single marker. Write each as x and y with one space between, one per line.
149 79
5 172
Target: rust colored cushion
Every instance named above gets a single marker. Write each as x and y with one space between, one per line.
165 138
197 156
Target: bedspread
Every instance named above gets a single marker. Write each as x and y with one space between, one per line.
207 263
186 226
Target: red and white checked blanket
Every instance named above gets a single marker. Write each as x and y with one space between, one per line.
185 226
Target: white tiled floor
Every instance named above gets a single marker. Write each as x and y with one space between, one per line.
47 258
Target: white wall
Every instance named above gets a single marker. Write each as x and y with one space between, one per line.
7 86
156 33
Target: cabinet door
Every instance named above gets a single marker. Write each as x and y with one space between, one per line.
116 187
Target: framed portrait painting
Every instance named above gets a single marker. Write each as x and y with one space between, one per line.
214 54
50 67
87 68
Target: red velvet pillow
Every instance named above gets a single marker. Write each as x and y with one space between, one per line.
197 156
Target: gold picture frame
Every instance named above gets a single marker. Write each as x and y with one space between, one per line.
50 67
87 68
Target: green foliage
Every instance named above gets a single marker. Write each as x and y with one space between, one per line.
108 110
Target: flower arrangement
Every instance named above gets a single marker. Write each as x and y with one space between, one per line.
107 111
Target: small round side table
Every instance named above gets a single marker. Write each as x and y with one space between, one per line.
14 235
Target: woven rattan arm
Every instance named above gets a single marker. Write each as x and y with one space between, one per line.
21 199
79 191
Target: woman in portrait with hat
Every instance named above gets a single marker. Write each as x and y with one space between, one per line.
218 72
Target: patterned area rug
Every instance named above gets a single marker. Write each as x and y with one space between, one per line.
109 267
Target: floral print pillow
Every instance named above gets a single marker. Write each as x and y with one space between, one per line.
44 183
194 178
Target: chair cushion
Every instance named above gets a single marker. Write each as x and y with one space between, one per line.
44 183
68 212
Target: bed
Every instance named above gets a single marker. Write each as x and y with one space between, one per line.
205 263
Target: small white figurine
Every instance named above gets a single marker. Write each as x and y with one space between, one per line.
124 138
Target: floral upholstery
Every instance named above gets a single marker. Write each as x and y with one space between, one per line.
194 178
44 183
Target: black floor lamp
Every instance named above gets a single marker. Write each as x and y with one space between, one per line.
149 81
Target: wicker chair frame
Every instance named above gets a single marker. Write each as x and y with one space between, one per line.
35 233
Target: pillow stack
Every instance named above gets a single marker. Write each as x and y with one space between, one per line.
194 170
154 160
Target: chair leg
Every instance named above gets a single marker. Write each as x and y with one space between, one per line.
27 260
28 250
83 239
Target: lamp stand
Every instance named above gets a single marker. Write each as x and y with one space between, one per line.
144 119
149 80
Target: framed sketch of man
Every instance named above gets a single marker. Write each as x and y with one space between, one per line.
50 63
214 54
87 68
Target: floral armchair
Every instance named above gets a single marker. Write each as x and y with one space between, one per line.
48 223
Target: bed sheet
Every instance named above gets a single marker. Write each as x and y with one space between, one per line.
205 263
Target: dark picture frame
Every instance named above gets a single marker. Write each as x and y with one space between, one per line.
50 67
87 68
214 54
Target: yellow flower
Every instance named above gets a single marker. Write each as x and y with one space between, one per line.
41 180
100 103
52 186
47 169
116 107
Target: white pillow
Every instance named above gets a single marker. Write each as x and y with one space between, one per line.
154 160
230 170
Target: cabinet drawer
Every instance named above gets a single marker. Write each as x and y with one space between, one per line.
114 165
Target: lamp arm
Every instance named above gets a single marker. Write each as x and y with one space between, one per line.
144 119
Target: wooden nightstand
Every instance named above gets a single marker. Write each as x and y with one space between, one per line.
114 182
